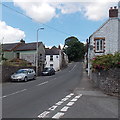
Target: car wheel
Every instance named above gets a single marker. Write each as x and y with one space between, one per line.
34 78
25 79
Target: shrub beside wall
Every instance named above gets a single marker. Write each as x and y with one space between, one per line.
106 72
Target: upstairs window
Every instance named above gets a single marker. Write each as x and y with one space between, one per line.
51 57
51 65
99 45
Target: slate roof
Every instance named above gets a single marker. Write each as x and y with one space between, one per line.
20 46
52 51
28 46
10 46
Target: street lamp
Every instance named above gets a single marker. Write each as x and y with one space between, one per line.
37 46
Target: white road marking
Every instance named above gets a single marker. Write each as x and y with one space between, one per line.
73 68
70 103
64 109
73 100
52 108
44 114
68 96
59 103
42 83
55 78
65 99
14 93
71 94
78 96
58 115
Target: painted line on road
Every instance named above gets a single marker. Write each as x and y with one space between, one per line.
59 103
14 93
64 109
70 103
44 114
52 108
58 115
73 68
42 83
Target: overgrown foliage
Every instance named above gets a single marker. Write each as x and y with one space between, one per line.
106 62
16 62
74 49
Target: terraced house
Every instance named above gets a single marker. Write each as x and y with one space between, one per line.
106 39
56 58
26 51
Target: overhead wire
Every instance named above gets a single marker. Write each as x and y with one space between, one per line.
32 19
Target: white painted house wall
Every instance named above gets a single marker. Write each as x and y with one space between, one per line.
110 30
56 61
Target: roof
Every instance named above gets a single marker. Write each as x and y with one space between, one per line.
52 51
10 46
104 25
28 46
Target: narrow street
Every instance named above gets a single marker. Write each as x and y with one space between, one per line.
67 94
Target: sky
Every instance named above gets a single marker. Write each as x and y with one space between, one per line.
60 20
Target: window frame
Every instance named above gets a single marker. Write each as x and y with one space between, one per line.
99 45
51 57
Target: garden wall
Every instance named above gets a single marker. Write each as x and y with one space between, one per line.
108 81
7 71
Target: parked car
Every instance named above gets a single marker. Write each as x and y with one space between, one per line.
23 75
48 71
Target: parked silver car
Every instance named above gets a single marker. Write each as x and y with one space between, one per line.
23 75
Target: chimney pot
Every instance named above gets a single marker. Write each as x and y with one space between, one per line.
111 8
115 7
113 12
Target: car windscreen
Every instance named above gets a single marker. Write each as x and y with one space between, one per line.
21 71
46 69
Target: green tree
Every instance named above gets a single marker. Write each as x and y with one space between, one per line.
74 49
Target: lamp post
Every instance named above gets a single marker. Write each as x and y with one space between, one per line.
37 46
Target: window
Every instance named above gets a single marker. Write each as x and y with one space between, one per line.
51 57
40 56
18 55
51 65
99 45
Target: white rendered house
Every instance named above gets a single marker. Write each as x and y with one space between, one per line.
106 39
53 58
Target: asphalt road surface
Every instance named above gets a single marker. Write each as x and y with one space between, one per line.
67 94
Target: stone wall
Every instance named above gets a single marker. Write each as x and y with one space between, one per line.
108 81
7 71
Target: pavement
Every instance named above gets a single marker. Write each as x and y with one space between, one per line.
68 94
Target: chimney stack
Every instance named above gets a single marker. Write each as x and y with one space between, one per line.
113 12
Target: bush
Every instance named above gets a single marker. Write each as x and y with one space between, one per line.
17 62
105 62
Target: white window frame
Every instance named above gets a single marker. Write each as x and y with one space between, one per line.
99 45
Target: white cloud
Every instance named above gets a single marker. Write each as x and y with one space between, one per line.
97 10
43 11
9 34
40 12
